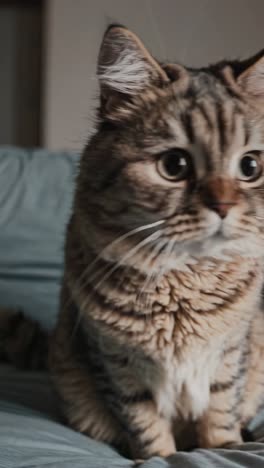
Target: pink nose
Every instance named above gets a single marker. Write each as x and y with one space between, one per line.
221 208
220 194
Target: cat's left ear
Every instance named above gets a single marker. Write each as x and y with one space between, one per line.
251 80
125 66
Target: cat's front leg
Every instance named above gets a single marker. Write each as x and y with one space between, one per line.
254 390
220 425
147 432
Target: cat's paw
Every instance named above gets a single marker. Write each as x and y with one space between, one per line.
220 441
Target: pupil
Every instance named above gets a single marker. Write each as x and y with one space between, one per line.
248 166
175 165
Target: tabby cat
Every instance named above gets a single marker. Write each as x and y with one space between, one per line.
161 319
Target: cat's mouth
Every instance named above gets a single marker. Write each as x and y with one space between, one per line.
224 243
224 230
224 233
221 235
215 242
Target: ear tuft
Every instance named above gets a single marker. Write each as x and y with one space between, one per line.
124 64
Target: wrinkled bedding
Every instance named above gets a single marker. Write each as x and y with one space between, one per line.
31 435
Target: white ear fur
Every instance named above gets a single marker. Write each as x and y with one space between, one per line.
252 80
124 64
128 74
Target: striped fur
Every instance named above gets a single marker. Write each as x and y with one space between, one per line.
161 320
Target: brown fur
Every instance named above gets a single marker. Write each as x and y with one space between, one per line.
163 328
22 342
161 319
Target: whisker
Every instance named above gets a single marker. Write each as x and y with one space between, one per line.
118 240
122 238
168 252
143 266
155 252
155 276
111 244
154 236
116 265
170 249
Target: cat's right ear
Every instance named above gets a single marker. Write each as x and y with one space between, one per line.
124 65
251 80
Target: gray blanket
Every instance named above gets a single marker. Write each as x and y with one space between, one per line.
31 435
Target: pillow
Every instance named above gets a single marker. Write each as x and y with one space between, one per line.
36 191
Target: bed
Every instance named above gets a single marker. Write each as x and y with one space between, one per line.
36 190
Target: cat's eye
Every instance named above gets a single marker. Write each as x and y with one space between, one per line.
174 164
250 167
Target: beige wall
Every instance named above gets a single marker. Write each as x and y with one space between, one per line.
192 31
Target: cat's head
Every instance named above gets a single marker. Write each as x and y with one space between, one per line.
178 157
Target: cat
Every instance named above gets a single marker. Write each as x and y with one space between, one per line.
161 321
161 318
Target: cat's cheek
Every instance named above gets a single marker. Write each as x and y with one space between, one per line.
238 224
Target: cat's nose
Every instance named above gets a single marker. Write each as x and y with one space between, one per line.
220 195
221 208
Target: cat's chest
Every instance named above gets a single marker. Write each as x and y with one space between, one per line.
185 387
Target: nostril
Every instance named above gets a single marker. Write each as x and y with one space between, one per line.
221 208
220 195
